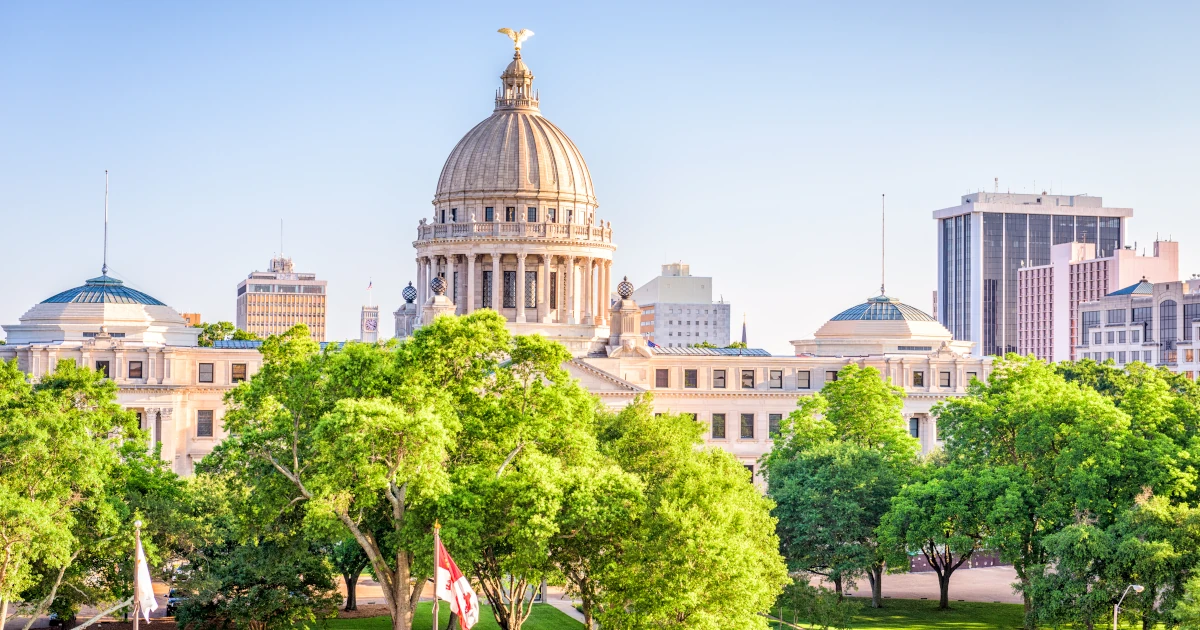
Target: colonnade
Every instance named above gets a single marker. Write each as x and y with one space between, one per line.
582 300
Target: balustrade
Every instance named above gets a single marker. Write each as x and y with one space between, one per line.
484 229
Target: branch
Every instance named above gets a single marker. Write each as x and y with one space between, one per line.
37 612
105 613
508 460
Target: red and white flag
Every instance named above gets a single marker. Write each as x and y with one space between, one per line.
452 586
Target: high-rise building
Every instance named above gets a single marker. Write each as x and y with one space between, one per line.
270 302
1049 295
1157 323
985 241
678 309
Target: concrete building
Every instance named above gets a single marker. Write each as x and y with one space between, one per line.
678 309
270 302
176 388
1049 295
985 241
1155 323
192 319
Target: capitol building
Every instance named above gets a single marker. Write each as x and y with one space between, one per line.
515 227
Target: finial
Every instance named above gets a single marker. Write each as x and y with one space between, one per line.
517 37
409 293
625 288
104 265
438 285
882 243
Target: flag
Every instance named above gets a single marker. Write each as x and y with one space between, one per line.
370 284
452 586
651 344
145 589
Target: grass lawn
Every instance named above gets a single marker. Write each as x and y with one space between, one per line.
544 617
918 614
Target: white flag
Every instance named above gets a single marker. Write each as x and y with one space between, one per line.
145 589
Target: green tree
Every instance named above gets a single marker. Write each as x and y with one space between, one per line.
840 458
1187 611
942 513
706 535
350 561
817 607
222 331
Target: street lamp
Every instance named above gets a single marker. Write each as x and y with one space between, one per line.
1137 588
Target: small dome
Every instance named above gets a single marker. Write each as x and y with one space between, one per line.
882 307
103 289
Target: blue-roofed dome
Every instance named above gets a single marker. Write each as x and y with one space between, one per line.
883 308
103 289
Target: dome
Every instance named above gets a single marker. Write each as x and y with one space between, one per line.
883 307
102 289
516 153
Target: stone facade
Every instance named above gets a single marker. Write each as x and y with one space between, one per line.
1155 323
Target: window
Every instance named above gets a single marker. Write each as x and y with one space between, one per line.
1120 336
1143 317
918 378
487 288
1098 338
802 380
570 215
747 379
1168 320
1116 316
238 372
971 375
1108 356
1135 336
747 426
1121 358
1191 313
1148 356
102 368
206 372
914 427
830 376
204 423
553 290
776 379
1189 355
944 379
454 215
1112 336
531 215
718 426
135 369
510 289
443 213
718 379
530 289
1091 319
689 379
552 215
662 377
510 214
773 422
489 214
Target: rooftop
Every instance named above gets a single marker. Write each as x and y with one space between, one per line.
102 289
882 307
1143 287
719 352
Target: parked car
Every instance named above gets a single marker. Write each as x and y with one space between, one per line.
174 599
59 622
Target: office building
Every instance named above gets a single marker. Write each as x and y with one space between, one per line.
192 319
1050 295
678 309
270 302
985 241
1156 323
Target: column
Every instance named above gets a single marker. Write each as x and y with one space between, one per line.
521 287
605 290
588 290
430 270
470 283
421 284
544 290
497 281
569 270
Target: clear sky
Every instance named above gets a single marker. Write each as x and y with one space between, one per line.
750 140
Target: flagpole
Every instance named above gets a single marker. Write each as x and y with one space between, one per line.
137 539
437 546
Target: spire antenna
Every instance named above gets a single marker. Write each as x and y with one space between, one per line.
104 265
882 243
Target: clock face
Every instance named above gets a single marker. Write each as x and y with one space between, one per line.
371 324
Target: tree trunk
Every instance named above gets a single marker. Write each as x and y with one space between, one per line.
3 611
837 586
944 587
875 575
453 623
351 590
587 615
1027 599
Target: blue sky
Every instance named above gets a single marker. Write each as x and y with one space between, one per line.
751 140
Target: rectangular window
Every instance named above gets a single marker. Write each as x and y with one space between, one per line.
1108 356
531 215
971 375
830 376
718 379
530 289
1112 336
1120 336
918 378
1115 316
1098 338
1091 319
454 215
718 427
135 369
553 292
551 215
570 215
510 214
775 379
489 214
747 426
662 377
237 373
1121 358
689 379
773 422
1148 356
802 379
1189 355
443 215
747 379
206 372
944 379
510 289
1143 317
914 427
1135 336
1191 313
487 289
102 368
204 423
